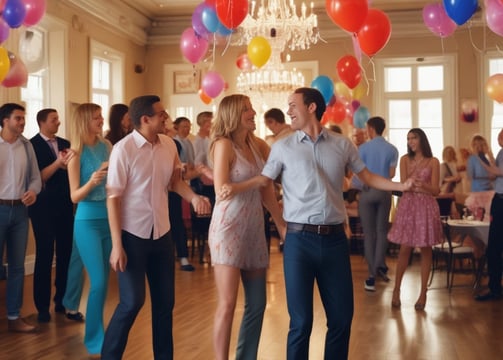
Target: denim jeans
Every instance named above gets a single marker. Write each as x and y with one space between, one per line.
155 258
324 258
14 234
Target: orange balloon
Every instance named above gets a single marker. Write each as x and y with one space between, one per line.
375 32
204 98
494 87
334 114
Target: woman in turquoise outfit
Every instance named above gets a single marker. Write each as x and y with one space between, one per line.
87 172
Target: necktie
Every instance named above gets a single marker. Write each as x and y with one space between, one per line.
53 145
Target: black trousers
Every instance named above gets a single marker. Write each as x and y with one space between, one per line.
495 244
53 230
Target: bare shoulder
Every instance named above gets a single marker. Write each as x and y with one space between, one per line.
263 146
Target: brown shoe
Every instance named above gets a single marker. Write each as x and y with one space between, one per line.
20 325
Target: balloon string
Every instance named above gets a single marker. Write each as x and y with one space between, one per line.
227 45
365 77
471 37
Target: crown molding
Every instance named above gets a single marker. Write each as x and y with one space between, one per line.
116 17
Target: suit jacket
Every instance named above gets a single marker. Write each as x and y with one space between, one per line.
55 194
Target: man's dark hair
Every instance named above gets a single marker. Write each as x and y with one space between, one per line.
179 120
377 123
312 95
7 109
140 106
275 114
43 114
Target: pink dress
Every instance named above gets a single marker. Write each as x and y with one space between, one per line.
417 221
236 235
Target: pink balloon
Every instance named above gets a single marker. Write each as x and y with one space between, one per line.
193 47
436 19
4 30
18 74
212 84
35 10
494 16
2 4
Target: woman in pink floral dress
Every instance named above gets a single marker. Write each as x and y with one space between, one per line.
236 236
417 221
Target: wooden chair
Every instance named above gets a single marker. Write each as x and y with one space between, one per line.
457 255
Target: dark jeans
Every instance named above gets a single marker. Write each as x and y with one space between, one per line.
154 258
495 245
308 256
178 232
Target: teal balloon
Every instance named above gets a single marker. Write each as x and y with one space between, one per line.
360 117
325 86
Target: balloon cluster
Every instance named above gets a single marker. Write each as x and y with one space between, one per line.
13 14
371 27
211 17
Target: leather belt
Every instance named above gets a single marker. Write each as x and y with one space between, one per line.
317 229
15 202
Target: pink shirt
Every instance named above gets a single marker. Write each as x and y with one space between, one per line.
139 172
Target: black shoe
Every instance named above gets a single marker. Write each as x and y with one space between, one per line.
370 284
187 267
383 273
488 296
281 246
44 317
78 317
59 309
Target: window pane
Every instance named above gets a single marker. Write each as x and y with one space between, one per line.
397 79
497 125
400 114
495 66
101 74
398 137
430 113
436 140
430 78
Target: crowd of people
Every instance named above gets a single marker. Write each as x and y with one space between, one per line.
132 187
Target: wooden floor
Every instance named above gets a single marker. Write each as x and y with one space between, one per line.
453 326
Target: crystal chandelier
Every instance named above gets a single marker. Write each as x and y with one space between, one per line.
279 20
284 29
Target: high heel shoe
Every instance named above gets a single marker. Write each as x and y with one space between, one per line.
420 303
395 301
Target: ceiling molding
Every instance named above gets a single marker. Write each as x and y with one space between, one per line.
117 17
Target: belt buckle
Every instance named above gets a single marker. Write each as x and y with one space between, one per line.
322 230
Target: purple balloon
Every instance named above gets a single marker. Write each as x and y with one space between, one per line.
14 13
494 16
4 30
193 47
212 84
197 21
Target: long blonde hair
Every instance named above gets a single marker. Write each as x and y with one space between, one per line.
80 124
228 120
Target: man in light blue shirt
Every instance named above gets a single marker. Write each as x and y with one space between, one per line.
312 164
374 205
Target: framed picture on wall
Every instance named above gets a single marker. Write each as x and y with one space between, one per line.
186 81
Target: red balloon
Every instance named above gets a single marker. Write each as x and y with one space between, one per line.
375 32
17 75
349 71
243 62
348 14
231 13
335 113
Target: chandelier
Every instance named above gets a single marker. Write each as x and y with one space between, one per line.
279 20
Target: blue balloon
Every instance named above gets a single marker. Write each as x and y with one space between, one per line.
360 117
460 10
222 30
325 86
210 19
14 13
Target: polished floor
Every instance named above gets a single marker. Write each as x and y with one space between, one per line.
453 326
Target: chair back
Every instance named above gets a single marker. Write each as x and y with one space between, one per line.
444 204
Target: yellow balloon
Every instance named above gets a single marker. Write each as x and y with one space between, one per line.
359 91
4 63
342 89
259 51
